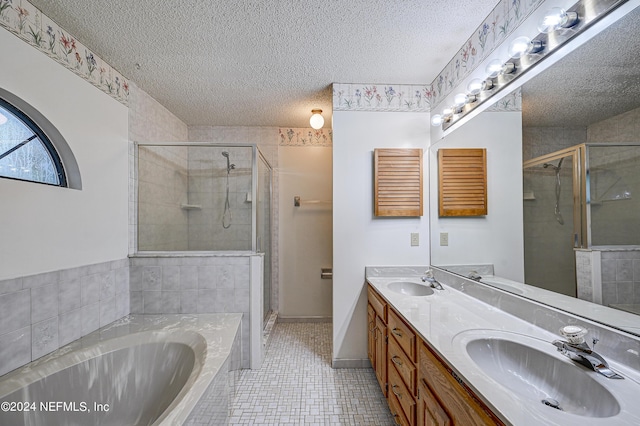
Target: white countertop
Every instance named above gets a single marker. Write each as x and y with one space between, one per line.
445 318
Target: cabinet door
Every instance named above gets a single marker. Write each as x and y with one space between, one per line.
430 412
371 339
381 354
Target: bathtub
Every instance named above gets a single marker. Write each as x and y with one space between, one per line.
141 370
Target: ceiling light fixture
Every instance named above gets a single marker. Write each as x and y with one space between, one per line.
316 121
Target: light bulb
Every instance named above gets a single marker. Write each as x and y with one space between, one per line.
3 119
460 100
494 68
520 47
555 18
447 113
316 121
436 120
475 86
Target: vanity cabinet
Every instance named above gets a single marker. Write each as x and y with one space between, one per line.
421 389
445 398
377 339
401 369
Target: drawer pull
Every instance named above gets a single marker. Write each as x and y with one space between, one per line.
393 389
396 332
396 360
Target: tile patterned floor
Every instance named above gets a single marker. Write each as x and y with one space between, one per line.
297 386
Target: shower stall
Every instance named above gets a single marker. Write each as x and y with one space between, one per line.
586 196
205 198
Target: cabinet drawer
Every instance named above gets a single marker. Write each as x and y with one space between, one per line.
396 411
406 368
378 304
399 391
462 407
403 334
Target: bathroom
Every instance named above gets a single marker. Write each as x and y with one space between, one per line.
83 266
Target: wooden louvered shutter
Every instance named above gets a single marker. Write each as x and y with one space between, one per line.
462 181
398 182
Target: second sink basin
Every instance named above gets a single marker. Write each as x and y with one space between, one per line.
410 288
526 367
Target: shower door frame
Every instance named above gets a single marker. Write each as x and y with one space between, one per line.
581 231
255 151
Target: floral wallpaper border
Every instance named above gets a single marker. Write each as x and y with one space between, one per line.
500 23
27 22
305 137
381 97
511 102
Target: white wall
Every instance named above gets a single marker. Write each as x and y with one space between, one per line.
48 228
359 238
305 231
496 238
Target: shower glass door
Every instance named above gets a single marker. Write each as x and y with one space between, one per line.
263 225
551 207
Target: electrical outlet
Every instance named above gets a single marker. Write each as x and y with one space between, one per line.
415 239
444 238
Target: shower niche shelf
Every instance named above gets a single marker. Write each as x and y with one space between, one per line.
191 207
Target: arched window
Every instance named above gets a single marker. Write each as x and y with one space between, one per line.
31 148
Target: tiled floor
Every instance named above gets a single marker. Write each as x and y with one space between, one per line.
297 386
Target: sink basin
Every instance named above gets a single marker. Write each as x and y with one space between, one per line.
527 368
410 288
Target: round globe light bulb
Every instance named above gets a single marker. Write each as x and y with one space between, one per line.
520 47
552 20
447 112
475 86
460 100
436 120
494 68
316 121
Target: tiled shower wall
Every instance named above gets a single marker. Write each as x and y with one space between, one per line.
40 313
207 171
195 285
163 184
620 277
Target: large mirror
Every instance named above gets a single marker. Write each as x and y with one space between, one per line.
564 185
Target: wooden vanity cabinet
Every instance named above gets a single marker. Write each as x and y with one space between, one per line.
377 339
445 400
421 389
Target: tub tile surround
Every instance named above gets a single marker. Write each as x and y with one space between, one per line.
40 313
443 318
198 283
207 400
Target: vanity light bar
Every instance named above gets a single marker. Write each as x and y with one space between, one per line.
500 74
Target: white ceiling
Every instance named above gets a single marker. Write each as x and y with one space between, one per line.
267 63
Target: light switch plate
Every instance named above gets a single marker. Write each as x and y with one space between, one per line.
415 239
444 238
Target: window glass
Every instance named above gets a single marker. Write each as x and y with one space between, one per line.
25 151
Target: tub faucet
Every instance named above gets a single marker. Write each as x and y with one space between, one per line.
576 349
429 278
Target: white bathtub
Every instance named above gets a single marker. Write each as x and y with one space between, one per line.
141 370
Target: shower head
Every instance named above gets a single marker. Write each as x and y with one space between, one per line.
225 154
556 168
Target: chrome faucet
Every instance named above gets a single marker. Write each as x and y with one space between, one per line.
429 278
474 275
576 349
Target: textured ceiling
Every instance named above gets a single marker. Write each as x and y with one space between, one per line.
268 62
598 80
